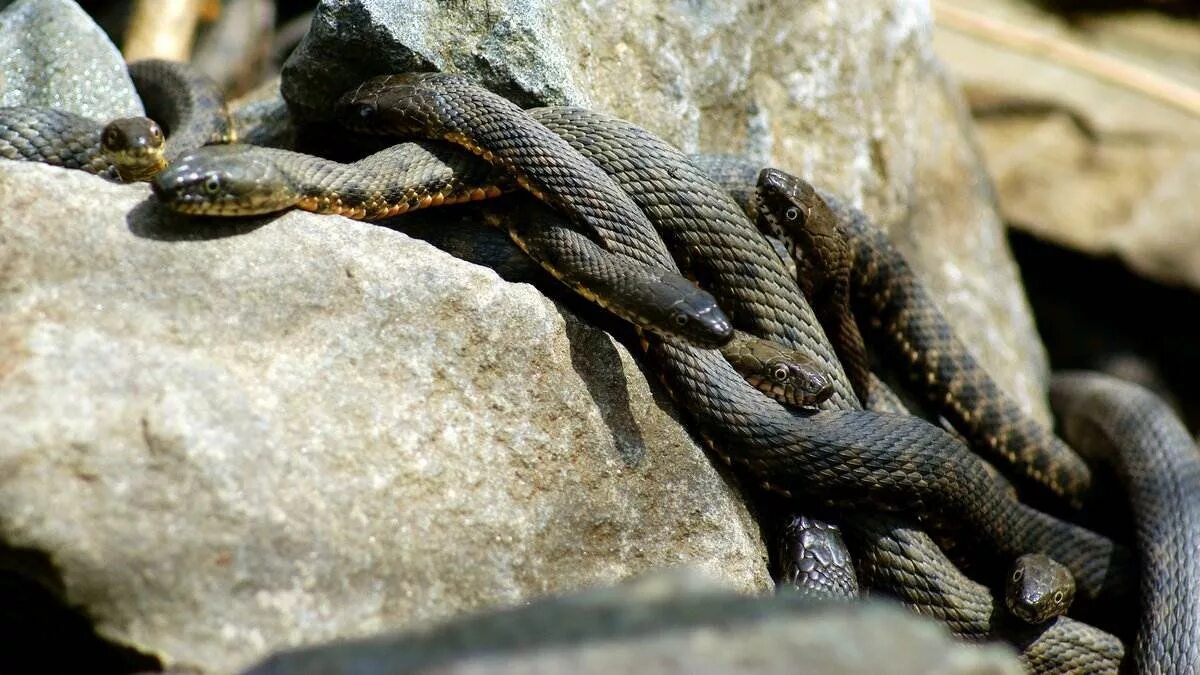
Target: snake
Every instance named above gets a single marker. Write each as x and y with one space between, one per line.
850 268
1039 588
238 180
1133 431
813 559
847 458
184 108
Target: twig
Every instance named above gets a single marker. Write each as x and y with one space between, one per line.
1092 62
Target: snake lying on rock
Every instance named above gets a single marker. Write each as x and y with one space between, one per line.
177 98
192 109
809 452
243 180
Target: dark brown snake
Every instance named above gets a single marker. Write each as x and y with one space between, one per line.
849 268
1132 430
895 559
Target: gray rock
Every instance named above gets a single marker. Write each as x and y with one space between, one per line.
663 624
52 54
232 438
849 95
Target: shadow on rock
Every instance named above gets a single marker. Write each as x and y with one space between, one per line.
151 220
595 358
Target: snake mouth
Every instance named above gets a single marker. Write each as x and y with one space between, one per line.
780 393
182 201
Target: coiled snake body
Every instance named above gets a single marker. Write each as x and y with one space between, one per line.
1134 431
848 268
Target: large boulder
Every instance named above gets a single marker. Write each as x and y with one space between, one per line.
231 438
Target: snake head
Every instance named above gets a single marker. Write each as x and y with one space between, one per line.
226 180
797 381
790 208
135 146
1039 589
786 375
694 314
408 104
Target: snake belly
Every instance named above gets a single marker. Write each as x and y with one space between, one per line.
1135 432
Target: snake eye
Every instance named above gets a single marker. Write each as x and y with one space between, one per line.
792 213
365 111
156 133
680 319
1058 597
780 374
212 185
1018 574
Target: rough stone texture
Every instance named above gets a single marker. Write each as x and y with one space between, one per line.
52 54
231 438
662 624
848 94
1123 186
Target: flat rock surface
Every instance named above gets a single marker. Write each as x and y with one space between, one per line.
231 438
